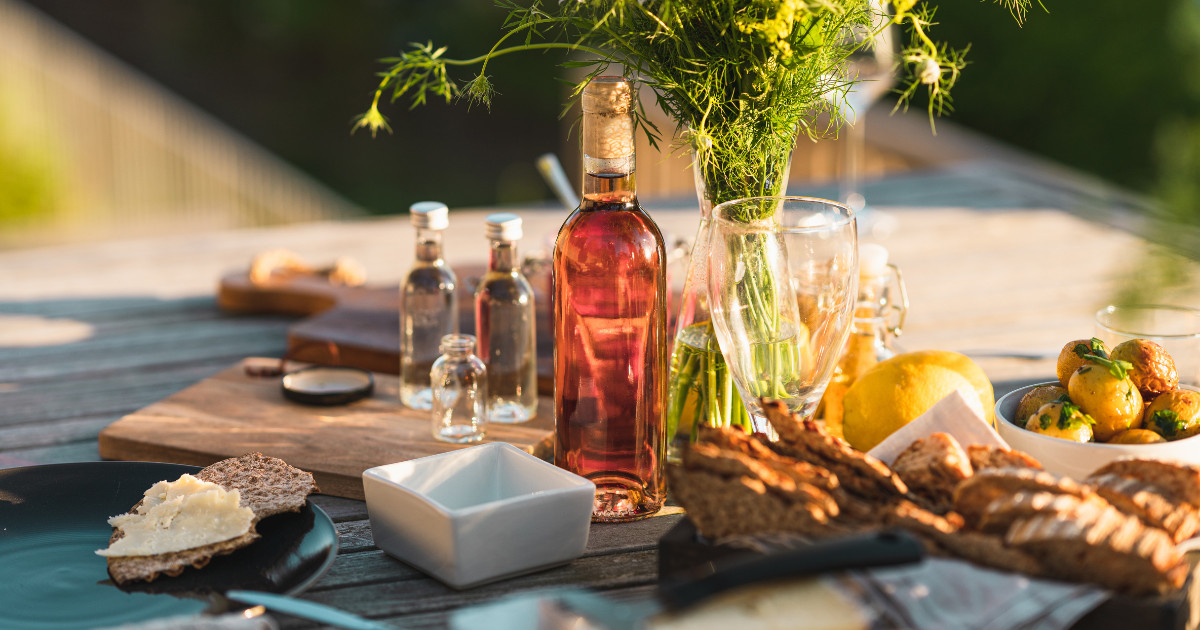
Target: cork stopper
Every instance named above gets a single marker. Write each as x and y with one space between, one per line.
607 124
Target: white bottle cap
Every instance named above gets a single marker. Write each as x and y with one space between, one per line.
503 226
430 215
872 260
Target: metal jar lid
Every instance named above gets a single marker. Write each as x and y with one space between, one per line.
504 226
430 215
326 386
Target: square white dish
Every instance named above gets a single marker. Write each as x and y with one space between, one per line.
479 514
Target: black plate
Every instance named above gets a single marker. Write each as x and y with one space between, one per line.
53 518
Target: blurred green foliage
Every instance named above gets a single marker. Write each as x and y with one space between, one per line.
28 186
292 74
1095 84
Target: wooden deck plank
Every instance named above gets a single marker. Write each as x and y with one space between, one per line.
262 341
390 598
78 451
361 562
341 510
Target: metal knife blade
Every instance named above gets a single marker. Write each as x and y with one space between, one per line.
305 609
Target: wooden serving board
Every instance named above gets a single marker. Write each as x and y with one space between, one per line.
360 326
233 413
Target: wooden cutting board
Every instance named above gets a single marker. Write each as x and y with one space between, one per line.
360 326
233 413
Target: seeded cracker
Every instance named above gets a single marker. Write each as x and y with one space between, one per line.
267 485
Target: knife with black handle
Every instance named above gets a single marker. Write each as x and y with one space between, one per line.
875 549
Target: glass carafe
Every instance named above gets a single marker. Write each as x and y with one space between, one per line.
878 318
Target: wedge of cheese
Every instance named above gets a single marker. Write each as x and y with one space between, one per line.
802 604
177 515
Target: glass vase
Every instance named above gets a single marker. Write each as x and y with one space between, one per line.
700 390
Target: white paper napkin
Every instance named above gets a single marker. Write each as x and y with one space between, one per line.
952 415
946 594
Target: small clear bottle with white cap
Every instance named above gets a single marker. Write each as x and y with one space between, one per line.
878 318
504 324
428 305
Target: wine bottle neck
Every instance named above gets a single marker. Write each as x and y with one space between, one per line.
609 181
608 147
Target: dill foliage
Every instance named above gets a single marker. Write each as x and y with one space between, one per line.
741 78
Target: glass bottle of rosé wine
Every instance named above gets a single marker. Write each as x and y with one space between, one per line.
610 361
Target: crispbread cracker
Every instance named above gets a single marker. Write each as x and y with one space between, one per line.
127 569
267 485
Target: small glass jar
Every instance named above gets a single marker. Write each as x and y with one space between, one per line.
459 381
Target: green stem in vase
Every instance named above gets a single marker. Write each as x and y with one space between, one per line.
689 366
727 399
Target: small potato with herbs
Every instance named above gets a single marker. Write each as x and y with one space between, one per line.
1036 397
1061 419
1103 390
1137 436
1071 357
1129 395
1175 414
1153 368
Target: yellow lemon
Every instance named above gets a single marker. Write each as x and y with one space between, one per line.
969 370
896 391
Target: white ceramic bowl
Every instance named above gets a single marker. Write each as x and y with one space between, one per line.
1077 459
479 514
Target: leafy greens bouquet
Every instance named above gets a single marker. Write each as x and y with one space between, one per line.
740 77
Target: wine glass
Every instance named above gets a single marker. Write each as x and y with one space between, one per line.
870 72
783 279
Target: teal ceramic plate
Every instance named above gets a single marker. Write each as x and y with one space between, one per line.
54 517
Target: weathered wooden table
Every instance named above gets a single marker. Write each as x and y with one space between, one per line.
995 259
